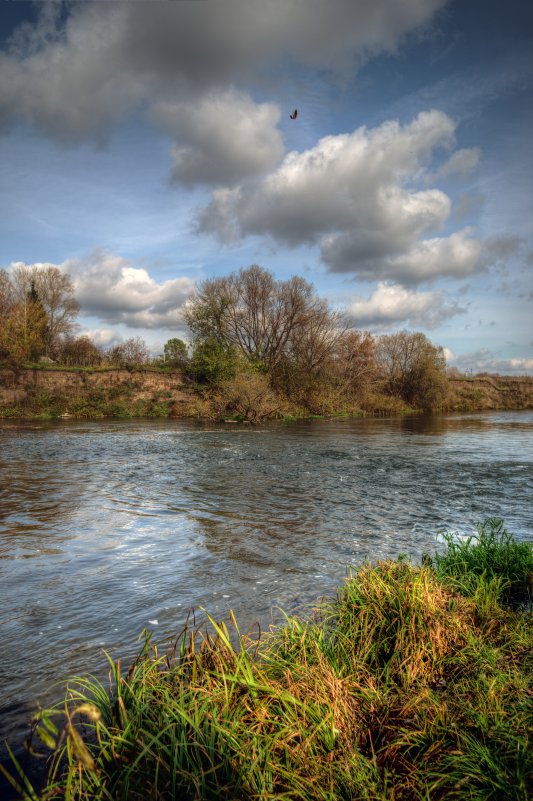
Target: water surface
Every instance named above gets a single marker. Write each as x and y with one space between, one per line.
110 527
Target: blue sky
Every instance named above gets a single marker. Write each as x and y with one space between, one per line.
145 146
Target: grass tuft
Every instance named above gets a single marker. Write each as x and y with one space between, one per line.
490 562
412 684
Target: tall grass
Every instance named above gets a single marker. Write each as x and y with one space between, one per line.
397 689
492 557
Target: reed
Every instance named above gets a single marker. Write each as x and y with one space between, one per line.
400 688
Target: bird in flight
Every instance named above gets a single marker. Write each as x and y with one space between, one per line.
294 114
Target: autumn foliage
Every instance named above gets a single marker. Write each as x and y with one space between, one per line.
249 323
260 347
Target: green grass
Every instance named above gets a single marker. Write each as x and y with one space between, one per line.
411 684
491 556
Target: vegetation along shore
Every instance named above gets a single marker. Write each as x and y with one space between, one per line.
414 682
258 349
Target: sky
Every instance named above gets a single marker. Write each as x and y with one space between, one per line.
147 146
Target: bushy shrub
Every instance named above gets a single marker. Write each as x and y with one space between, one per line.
247 396
212 362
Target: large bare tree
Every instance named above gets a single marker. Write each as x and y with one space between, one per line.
412 368
23 321
264 319
55 292
7 295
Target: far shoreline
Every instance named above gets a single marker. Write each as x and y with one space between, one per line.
52 392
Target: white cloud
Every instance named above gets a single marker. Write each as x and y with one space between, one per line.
346 183
108 286
111 288
356 196
102 337
485 361
520 365
221 138
461 162
76 79
391 304
455 256
353 182
449 355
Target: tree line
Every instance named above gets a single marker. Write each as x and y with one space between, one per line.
254 334
38 322
256 344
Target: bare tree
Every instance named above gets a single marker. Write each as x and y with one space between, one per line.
314 341
130 353
55 292
7 294
355 362
264 319
412 368
79 351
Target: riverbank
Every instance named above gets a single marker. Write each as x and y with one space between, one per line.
412 683
51 392
489 392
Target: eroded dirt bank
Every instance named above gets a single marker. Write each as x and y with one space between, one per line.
27 392
82 393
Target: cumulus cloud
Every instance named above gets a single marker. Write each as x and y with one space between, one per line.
108 286
461 162
76 78
102 337
353 181
392 304
449 355
485 361
111 288
358 197
221 138
455 256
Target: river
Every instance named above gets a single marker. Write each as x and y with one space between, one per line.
109 527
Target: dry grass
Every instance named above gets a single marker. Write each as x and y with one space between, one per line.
398 689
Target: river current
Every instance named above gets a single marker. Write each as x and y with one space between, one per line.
111 527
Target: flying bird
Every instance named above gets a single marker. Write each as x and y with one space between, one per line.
294 114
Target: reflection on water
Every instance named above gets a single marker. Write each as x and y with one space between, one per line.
109 525
489 422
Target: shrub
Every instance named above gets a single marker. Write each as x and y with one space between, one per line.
247 396
212 362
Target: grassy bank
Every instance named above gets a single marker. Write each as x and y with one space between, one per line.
412 683
53 391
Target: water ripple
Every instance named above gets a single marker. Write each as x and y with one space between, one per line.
109 526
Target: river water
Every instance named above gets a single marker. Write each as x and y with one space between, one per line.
110 527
